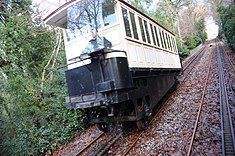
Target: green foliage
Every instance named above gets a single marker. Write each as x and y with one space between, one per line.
201 30
227 17
191 41
142 5
158 13
20 43
163 18
32 121
183 50
33 117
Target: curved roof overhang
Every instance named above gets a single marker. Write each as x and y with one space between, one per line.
58 17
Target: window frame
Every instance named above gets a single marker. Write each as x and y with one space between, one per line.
142 31
134 26
152 34
147 31
115 13
127 22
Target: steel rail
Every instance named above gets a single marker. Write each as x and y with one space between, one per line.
192 59
200 107
88 145
134 142
232 63
106 147
227 132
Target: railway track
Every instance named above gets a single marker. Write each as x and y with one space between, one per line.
228 141
102 150
225 116
188 67
100 144
89 144
214 142
200 107
192 60
230 60
230 65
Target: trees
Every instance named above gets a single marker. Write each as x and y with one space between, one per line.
228 23
32 112
222 12
142 5
187 20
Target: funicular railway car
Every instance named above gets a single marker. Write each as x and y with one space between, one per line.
121 74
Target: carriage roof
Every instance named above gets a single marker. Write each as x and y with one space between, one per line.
58 17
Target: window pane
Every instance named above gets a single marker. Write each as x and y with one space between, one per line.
109 16
134 25
142 29
169 38
162 39
154 41
80 21
158 44
126 22
167 41
165 37
174 45
147 31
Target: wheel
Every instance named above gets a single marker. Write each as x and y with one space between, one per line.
142 124
104 127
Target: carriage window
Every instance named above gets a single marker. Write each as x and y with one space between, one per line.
167 41
174 44
151 27
134 25
126 22
142 29
169 38
147 31
158 44
81 19
162 39
109 16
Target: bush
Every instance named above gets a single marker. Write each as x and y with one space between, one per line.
33 116
190 41
228 23
183 50
35 121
